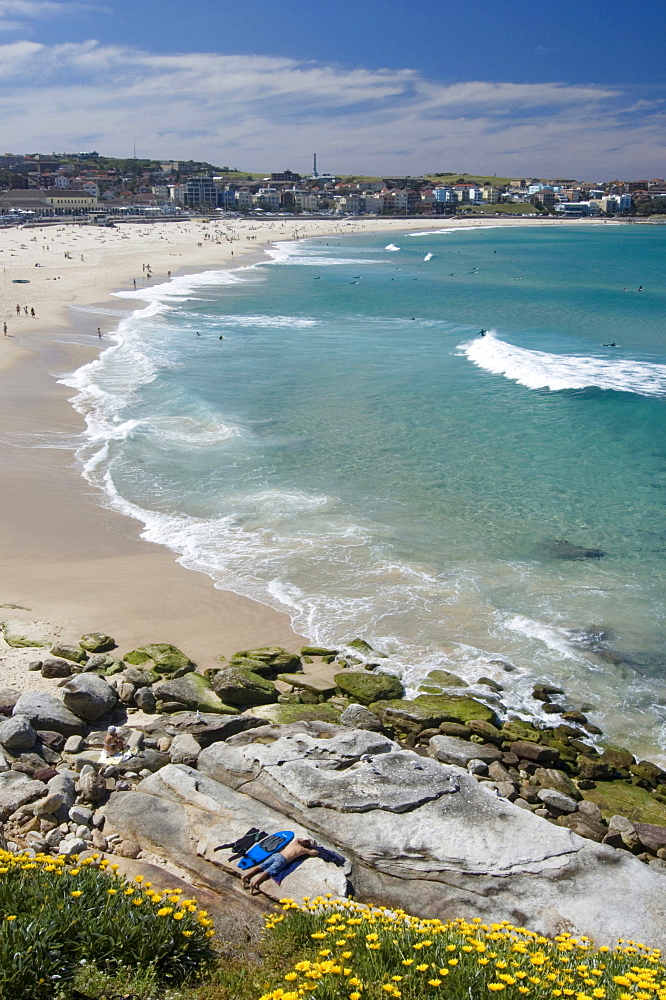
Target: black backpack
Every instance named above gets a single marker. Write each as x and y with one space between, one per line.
243 844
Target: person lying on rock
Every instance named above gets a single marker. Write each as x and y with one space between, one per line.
278 862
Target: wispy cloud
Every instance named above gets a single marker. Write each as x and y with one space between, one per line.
261 111
15 15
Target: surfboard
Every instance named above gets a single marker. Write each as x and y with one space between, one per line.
269 845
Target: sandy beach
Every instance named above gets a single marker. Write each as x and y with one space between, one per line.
65 558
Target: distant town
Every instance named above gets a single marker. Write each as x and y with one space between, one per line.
39 187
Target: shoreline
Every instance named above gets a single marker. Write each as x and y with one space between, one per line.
65 555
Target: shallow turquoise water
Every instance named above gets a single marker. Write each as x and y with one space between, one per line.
354 453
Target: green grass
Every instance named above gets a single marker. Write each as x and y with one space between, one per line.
57 917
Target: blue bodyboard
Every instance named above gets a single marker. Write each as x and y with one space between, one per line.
265 848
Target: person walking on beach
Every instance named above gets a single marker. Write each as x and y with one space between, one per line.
99 333
4 329
18 310
278 863
32 312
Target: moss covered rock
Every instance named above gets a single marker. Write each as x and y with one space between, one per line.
162 656
436 680
250 663
69 652
242 687
517 729
268 661
619 798
617 757
426 711
365 648
281 714
318 651
194 692
276 657
366 688
97 642
19 634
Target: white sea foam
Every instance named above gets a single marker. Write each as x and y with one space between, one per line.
290 322
301 253
541 370
428 256
392 247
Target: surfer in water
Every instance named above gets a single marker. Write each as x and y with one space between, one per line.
610 345
482 333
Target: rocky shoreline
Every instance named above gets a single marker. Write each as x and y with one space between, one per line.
470 808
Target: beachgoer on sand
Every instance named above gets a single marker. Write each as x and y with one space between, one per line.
278 863
4 329
32 312
99 333
18 310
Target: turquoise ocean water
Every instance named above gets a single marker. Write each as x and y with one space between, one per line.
353 453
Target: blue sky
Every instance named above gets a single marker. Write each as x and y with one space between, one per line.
572 88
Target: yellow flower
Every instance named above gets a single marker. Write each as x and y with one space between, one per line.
187 933
291 976
76 893
453 961
11 917
355 996
496 987
434 982
179 915
318 935
407 961
137 902
138 878
164 911
209 934
421 968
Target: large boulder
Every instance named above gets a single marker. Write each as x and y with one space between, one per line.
67 651
366 687
551 777
449 750
429 838
17 733
275 660
360 717
45 711
164 657
89 696
241 687
16 790
192 690
429 710
97 642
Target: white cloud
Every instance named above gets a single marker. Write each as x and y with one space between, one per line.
262 112
15 14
